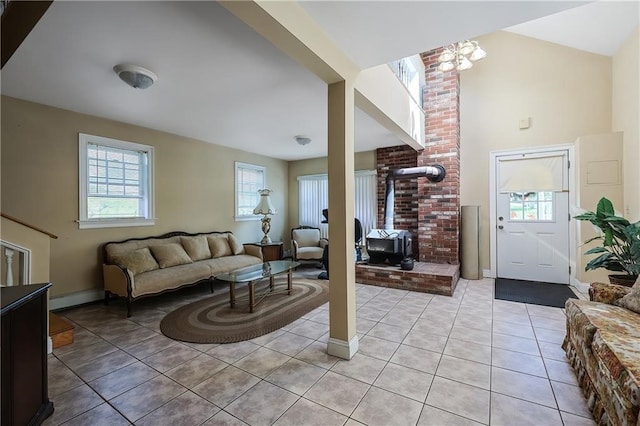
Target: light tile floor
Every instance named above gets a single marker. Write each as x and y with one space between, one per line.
423 359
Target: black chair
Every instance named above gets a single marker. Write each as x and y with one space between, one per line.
358 252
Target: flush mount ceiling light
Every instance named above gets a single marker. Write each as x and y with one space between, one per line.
135 76
460 56
303 140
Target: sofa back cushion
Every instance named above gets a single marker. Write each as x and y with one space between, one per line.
235 244
632 300
169 255
196 247
137 261
219 245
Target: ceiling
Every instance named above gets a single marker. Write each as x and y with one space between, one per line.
220 82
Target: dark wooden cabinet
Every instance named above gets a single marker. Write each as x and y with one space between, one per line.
271 251
25 399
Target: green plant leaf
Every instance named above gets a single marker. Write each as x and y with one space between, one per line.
596 250
604 208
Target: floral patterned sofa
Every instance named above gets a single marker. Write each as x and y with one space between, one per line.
603 346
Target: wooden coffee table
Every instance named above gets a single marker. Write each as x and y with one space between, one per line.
253 274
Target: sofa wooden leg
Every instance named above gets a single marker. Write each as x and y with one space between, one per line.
128 308
211 285
106 298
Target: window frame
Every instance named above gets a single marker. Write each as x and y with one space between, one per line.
240 165
84 140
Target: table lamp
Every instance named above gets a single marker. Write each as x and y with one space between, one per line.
265 208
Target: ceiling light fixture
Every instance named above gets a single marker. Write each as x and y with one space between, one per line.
303 140
135 76
461 56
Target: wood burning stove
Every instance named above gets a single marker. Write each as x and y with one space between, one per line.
389 244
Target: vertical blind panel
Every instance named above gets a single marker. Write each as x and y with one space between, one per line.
534 174
313 193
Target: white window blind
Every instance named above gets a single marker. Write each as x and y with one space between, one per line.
249 179
313 192
116 183
533 173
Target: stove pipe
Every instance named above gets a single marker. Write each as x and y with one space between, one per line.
434 173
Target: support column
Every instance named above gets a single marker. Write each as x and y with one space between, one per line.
343 341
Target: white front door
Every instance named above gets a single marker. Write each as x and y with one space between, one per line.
532 232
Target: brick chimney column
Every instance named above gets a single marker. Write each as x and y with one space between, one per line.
439 203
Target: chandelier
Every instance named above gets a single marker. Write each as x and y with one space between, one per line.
461 56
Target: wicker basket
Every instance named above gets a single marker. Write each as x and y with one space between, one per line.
625 280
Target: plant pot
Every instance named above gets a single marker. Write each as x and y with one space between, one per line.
406 264
623 279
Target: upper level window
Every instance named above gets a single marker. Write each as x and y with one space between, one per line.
116 183
249 179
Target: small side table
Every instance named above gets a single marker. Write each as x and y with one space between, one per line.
271 251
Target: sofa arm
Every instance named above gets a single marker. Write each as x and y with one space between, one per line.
253 250
607 293
118 280
323 242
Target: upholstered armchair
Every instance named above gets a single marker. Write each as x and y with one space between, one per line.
307 243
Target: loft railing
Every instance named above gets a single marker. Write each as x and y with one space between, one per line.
410 72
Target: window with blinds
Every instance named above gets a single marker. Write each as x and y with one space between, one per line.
313 196
249 179
116 181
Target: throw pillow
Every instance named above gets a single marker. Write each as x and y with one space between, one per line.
196 247
219 245
169 255
137 261
236 246
632 300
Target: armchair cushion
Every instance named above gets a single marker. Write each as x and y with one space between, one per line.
306 237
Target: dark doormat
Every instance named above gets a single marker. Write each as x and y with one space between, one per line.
534 292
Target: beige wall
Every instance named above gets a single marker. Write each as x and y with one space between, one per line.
598 172
315 166
566 92
626 117
194 186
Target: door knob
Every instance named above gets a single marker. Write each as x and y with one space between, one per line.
500 227
501 218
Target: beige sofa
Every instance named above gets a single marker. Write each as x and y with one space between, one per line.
603 346
141 267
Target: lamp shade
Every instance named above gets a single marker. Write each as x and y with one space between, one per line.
265 206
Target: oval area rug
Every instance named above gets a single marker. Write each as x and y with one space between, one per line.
212 320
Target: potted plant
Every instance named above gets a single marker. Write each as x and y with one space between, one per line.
620 244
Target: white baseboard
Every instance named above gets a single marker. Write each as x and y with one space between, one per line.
74 299
341 348
486 273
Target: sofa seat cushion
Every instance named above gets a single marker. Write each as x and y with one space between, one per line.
170 278
222 265
309 253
